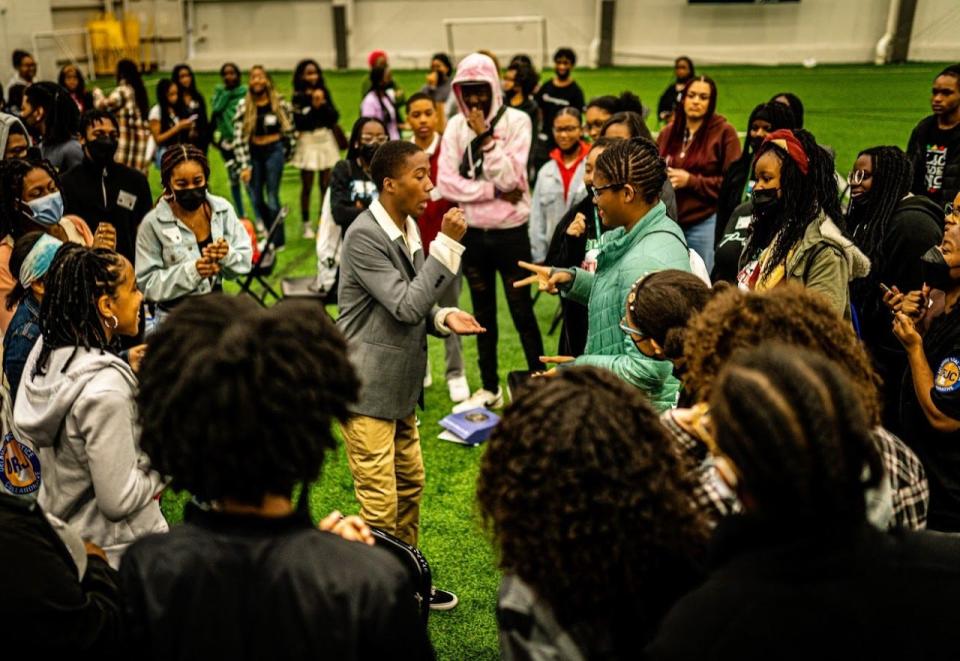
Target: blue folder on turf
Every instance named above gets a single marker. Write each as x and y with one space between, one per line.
471 427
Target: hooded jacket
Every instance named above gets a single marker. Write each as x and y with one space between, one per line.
655 243
504 164
6 123
826 261
81 418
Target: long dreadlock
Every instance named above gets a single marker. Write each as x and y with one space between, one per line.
891 180
12 174
803 198
77 278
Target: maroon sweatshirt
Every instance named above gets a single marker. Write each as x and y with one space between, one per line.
708 158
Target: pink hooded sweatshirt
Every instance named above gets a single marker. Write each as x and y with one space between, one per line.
504 165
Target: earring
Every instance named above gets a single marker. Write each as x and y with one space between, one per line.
168 195
116 322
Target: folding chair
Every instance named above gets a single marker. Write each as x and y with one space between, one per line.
263 267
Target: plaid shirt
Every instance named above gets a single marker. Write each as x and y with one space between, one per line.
909 491
241 142
134 141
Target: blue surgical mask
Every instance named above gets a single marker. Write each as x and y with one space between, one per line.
47 210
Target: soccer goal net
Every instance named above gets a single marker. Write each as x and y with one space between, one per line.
505 36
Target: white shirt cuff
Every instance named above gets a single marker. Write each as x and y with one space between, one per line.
439 318
448 252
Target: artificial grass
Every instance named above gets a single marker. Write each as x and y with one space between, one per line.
847 107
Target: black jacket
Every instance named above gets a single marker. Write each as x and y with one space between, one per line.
307 118
925 150
347 184
223 586
915 226
779 591
45 606
118 195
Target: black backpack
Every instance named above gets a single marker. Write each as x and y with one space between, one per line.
414 562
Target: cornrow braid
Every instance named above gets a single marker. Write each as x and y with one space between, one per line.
892 176
636 162
77 278
178 155
794 426
12 174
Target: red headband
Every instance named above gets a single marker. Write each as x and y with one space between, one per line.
787 141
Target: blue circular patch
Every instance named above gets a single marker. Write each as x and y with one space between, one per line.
948 376
21 467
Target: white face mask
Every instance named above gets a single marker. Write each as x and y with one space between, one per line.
47 210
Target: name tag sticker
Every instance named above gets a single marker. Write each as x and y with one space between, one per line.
173 233
270 120
126 200
743 222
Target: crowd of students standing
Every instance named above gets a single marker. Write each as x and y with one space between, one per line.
754 400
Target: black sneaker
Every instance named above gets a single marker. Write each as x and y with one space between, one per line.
442 600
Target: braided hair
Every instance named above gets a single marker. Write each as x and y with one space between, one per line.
12 173
636 162
793 425
69 317
236 401
803 197
177 155
892 178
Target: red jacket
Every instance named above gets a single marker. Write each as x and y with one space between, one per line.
698 200
432 217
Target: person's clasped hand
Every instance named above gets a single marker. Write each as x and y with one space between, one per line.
351 528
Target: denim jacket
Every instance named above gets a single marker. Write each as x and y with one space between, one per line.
167 252
21 335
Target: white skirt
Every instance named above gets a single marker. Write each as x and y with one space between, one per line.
316 151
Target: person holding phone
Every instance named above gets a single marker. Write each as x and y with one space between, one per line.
894 229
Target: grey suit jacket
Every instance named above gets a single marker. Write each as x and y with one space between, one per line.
387 303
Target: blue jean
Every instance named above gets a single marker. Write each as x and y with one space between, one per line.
236 186
267 164
701 237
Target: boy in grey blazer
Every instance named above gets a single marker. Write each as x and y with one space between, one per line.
388 303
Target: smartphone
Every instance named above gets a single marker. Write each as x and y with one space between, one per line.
886 290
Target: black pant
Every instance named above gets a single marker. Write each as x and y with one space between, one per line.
489 251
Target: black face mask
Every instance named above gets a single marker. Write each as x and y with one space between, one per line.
367 152
102 150
564 75
191 198
765 200
935 270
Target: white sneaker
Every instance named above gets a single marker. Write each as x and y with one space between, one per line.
459 389
308 232
481 399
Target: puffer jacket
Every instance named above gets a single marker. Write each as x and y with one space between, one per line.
655 243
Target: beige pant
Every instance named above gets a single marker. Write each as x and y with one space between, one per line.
388 475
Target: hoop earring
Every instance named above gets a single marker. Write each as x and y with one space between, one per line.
116 322
168 195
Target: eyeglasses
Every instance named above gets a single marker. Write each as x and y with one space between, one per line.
373 140
857 177
634 334
599 189
952 213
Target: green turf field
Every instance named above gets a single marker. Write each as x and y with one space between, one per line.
847 107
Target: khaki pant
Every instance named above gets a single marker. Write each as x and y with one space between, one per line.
388 475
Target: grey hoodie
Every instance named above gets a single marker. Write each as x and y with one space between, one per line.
83 421
7 121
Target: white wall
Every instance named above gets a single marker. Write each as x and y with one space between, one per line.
277 33
19 19
651 31
936 31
